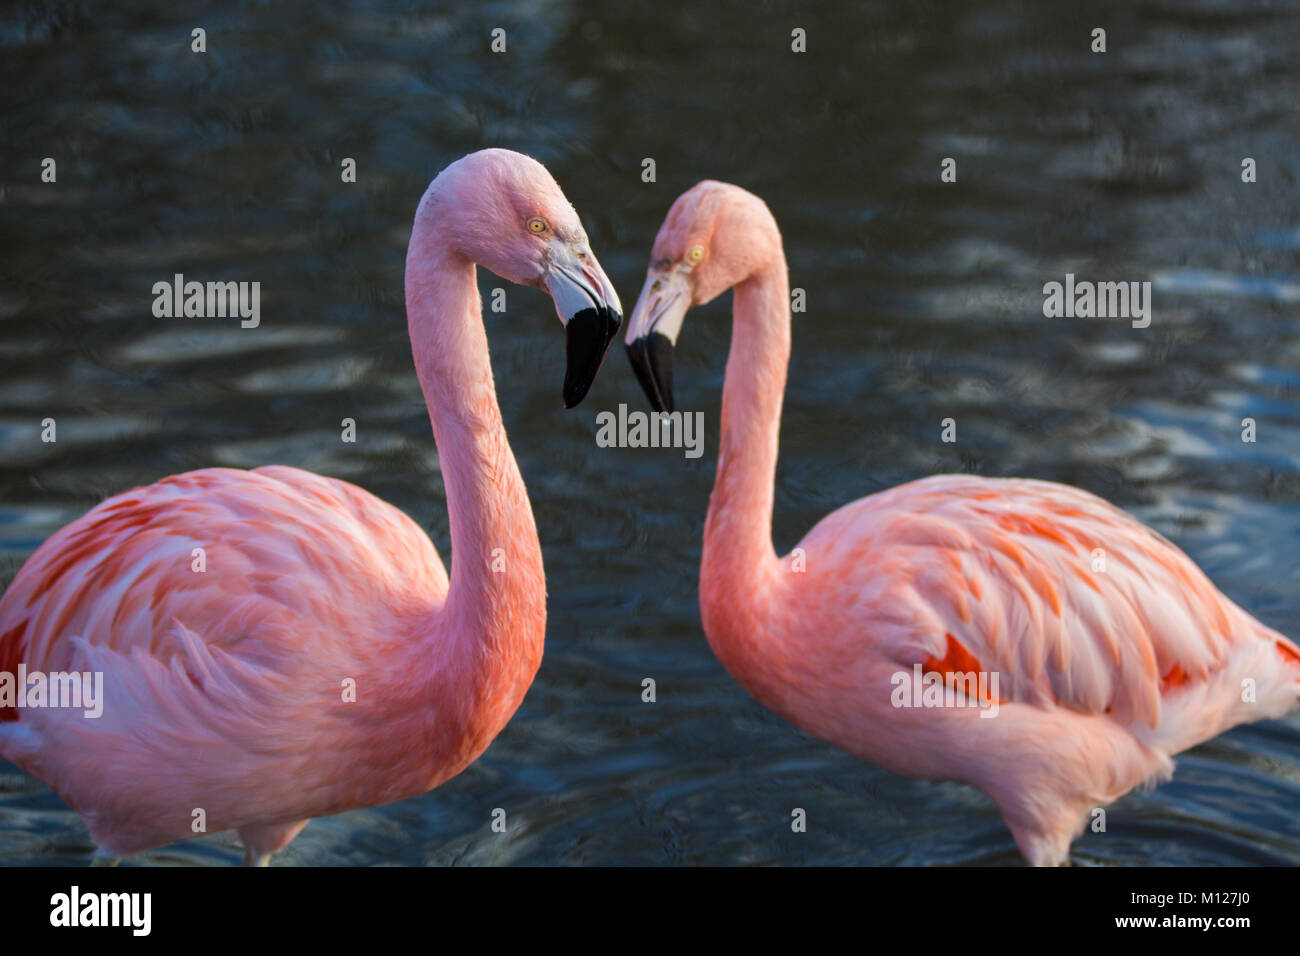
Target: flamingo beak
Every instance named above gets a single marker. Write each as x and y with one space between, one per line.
589 308
652 334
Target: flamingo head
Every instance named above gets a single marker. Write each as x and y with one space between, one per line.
504 211
716 236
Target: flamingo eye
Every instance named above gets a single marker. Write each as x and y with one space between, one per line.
537 226
695 254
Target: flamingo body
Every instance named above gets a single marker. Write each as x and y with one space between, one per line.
1103 675
237 671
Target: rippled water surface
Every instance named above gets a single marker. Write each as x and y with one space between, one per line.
924 302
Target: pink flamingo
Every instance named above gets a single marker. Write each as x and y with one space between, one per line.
1105 668
322 661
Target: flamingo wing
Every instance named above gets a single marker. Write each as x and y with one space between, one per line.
251 563
1070 600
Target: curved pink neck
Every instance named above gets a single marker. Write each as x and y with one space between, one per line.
738 556
496 600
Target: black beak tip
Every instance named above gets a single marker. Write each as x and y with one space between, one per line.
574 393
652 361
587 338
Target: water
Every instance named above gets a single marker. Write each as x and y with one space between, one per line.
924 302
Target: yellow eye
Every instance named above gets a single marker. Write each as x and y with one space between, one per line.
695 254
537 226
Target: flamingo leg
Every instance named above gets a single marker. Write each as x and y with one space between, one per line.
260 841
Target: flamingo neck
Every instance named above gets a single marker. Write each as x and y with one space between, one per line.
739 560
494 617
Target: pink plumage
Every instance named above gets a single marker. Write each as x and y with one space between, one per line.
276 645
1112 650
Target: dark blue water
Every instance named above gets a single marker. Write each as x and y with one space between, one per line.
924 302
